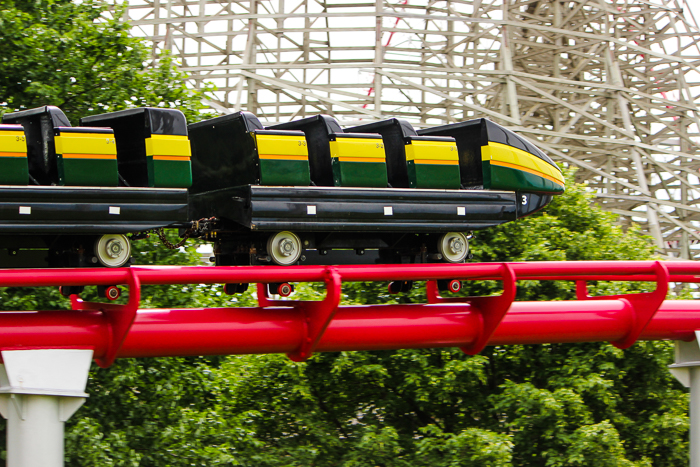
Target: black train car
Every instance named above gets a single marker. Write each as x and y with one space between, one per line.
303 192
376 193
69 196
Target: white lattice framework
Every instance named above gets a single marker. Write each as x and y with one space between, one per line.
607 86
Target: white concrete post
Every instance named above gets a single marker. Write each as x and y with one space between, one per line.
687 371
39 391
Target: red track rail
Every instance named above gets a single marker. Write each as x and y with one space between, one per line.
299 328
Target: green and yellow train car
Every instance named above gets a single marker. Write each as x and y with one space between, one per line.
69 196
333 195
495 158
304 192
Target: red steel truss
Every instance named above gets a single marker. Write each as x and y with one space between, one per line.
299 328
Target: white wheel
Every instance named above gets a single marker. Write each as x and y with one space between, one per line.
113 251
454 247
284 248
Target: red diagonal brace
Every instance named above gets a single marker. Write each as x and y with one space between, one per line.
316 315
491 310
643 305
119 317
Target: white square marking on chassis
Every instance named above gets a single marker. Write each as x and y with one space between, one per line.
388 211
115 210
25 210
311 210
461 211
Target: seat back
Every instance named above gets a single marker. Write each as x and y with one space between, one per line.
337 158
469 136
317 130
14 169
235 150
58 154
152 146
394 133
86 156
39 127
414 161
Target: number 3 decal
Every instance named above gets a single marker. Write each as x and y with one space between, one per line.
524 200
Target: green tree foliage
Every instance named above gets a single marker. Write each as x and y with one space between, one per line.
545 405
75 56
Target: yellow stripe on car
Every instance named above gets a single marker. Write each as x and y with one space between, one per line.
282 145
435 162
168 145
171 158
86 143
432 150
525 169
502 154
359 159
89 156
285 157
354 149
13 142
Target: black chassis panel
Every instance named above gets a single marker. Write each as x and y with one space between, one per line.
86 210
263 208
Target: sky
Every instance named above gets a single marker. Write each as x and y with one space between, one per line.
694 5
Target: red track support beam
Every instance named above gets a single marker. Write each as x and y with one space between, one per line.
315 316
301 328
490 310
643 305
119 317
220 331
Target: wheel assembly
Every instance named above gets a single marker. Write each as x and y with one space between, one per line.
112 250
111 292
283 289
284 248
454 247
446 285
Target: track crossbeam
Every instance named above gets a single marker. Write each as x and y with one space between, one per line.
299 328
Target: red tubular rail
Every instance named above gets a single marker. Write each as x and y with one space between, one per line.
302 327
